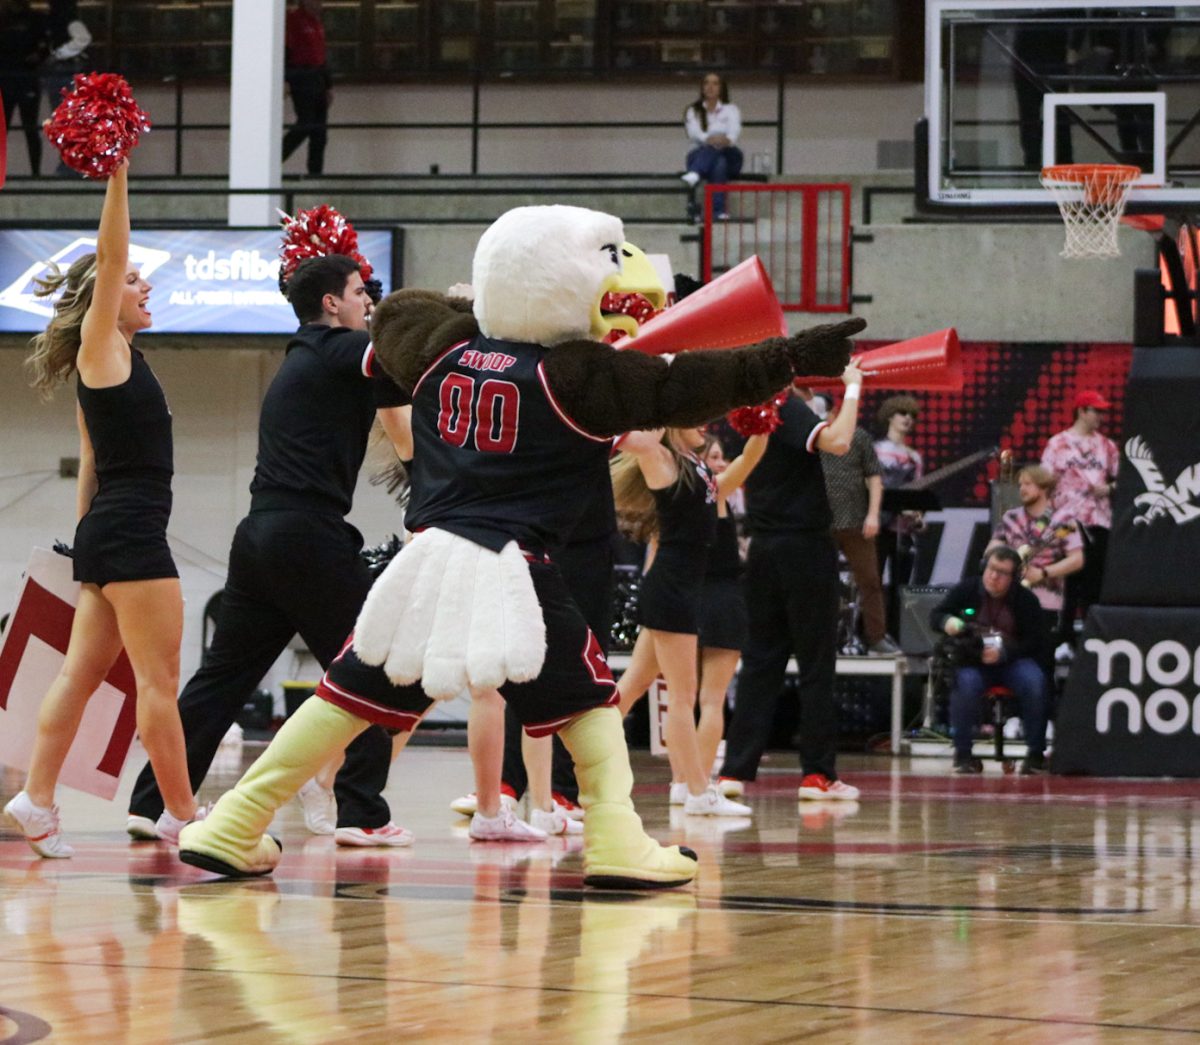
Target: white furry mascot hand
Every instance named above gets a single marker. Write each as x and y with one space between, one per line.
454 615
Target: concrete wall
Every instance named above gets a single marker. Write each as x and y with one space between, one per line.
995 283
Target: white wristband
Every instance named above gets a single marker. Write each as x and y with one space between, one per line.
853 391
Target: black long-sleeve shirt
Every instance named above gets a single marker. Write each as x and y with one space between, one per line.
1028 626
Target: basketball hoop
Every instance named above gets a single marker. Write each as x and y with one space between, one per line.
1091 198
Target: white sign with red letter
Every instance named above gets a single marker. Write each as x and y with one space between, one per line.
32 654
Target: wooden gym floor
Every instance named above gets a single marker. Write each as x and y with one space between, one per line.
986 909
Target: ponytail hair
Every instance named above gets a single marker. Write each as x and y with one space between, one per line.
637 514
56 349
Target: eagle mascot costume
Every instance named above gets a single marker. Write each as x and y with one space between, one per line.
516 400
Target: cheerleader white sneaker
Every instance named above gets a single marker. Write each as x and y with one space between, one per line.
731 787
678 793
168 826
40 827
468 804
555 822
320 808
389 836
506 826
140 828
711 802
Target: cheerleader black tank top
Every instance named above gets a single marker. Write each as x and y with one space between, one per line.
123 534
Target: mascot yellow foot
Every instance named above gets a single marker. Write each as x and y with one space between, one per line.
232 839
617 853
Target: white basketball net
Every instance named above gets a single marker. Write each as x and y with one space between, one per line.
1091 199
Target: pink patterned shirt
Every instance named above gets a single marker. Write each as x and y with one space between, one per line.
1041 540
1080 462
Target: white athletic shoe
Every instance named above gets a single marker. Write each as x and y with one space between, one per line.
320 808
731 787
389 836
555 822
712 803
468 804
168 826
141 828
678 793
39 826
506 826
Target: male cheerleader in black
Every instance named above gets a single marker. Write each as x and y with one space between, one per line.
791 595
294 566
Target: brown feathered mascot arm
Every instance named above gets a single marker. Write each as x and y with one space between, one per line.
411 328
608 392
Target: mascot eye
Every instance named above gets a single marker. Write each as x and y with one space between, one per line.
626 253
612 253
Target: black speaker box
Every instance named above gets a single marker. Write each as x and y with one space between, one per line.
916 603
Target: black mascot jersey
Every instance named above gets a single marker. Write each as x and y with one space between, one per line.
495 457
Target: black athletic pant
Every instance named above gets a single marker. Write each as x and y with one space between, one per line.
310 96
290 572
587 569
1082 589
22 93
792 600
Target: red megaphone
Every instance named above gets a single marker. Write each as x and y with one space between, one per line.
929 363
738 308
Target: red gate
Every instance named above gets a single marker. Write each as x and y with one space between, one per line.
800 232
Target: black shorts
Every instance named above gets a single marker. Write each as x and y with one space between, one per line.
670 593
123 544
574 678
723 623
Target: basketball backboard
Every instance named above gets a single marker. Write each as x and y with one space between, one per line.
1012 86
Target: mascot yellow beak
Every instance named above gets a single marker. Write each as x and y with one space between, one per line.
637 276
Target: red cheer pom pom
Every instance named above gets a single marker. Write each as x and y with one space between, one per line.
638 306
757 420
96 124
317 233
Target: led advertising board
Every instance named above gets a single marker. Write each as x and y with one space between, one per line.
206 281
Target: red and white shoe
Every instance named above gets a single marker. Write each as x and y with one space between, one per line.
388 836
571 809
819 786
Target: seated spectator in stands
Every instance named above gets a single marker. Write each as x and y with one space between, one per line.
1085 462
855 490
899 465
713 124
1046 539
998 640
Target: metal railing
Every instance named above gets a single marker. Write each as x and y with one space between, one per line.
475 128
801 233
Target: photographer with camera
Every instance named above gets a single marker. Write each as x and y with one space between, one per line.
995 637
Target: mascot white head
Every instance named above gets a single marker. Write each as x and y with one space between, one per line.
540 274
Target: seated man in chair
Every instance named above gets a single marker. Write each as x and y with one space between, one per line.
998 638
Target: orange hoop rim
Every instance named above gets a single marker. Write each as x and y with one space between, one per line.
1092 173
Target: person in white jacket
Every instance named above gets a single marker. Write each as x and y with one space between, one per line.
713 124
